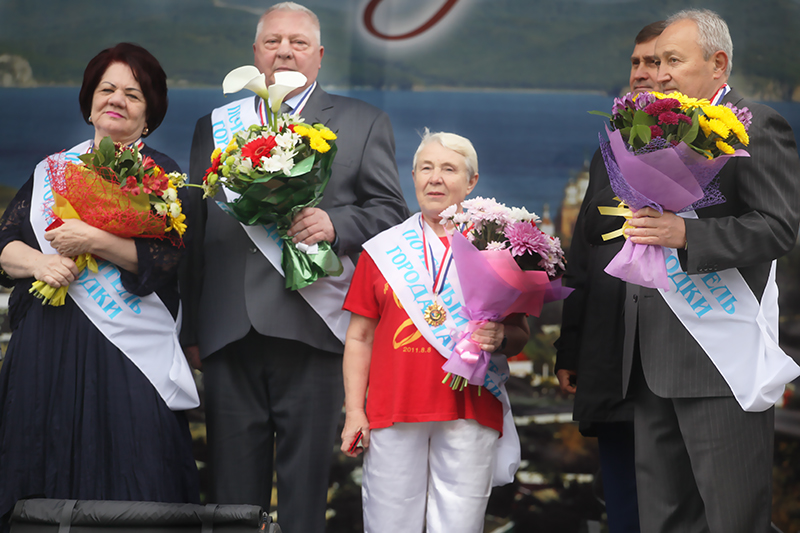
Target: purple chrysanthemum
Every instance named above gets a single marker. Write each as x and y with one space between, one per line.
525 238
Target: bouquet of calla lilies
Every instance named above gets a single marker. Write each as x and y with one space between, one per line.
273 171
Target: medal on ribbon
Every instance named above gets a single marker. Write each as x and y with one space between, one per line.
435 314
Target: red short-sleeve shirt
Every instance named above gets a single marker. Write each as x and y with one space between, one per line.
405 374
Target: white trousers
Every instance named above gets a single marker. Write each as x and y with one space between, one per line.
437 474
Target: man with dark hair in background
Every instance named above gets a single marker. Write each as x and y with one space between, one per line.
592 331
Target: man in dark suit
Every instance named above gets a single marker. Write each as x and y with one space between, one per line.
703 462
592 330
272 366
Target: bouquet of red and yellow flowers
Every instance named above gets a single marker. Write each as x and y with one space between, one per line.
116 190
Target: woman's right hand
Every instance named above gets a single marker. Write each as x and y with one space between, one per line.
55 270
354 422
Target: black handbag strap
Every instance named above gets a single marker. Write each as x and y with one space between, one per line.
66 516
208 518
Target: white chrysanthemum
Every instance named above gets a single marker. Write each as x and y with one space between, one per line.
287 140
521 214
161 209
280 161
286 160
480 203
494 245
448 214
245 166
170 195
177 178
270 164
461 218
175 209
483 210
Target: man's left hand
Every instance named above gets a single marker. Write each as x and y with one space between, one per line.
312 225
651 227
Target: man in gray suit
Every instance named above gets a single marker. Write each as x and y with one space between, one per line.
272 366
704 463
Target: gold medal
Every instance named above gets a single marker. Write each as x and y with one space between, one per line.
435 314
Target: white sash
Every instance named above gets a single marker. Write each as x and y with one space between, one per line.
398 253
739 334
140 326
326 295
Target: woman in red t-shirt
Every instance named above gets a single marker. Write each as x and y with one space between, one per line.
429 449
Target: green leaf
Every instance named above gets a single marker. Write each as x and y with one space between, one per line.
267 177
640 117
601 113
303 166
694 129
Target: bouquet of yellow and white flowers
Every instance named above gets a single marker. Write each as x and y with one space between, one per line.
276 170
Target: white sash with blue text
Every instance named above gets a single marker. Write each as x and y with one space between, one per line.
739 334
326 295
141 327
399 254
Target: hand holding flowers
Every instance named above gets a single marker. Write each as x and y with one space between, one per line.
274 172
116 190
664 153
506 265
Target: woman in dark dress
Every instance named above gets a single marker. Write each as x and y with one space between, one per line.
82 416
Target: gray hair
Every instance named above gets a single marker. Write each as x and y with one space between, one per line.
290 6
712 32
457 143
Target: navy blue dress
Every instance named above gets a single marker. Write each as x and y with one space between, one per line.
77 418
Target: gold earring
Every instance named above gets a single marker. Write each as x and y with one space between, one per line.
89 120
145 131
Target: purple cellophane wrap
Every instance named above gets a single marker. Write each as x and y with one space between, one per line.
677 179
494 287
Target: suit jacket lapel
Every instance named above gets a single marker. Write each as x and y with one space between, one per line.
319 107
733 97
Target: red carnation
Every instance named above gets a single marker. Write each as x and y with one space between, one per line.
669 117
656 131
661 106
258 148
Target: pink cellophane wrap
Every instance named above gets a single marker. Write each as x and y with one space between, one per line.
674 179
494 287
640 264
